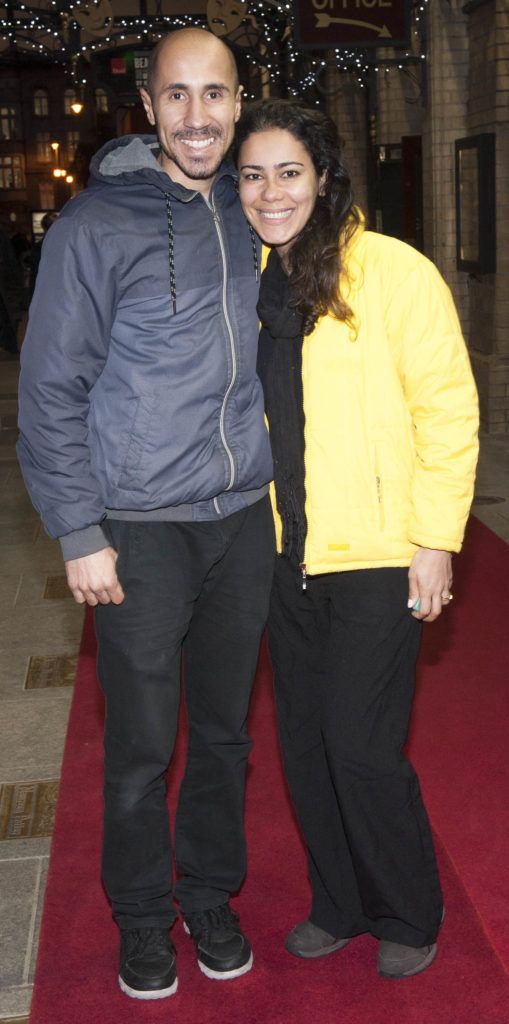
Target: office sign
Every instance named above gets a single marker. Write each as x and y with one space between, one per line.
353 23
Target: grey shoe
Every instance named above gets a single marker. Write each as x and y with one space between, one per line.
310 941
397 961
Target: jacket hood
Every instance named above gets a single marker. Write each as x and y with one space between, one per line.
132 159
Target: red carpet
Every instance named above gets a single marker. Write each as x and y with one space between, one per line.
459 744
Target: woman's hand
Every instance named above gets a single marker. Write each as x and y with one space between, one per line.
430 581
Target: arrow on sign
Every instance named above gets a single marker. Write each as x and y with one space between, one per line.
324 20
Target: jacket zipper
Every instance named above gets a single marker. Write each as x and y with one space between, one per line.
228 451
379 489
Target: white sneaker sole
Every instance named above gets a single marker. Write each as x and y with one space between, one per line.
226 975
136 993
223 975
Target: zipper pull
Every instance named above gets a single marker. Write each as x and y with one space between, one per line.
303 572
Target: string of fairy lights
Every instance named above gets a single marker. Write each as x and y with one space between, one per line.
267 40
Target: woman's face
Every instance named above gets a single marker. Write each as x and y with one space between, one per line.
278 186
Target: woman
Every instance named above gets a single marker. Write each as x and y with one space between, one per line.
373 418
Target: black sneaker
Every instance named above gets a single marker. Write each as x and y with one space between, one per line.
147 963
221 947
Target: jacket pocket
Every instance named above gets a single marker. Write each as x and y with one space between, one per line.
141 424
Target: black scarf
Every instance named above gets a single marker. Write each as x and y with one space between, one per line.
280 371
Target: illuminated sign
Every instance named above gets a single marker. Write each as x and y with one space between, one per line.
353 23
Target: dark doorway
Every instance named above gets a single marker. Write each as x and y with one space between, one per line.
399 190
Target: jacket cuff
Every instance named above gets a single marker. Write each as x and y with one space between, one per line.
83 542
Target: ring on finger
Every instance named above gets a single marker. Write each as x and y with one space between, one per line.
446 598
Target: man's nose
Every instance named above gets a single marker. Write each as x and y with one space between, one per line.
196 113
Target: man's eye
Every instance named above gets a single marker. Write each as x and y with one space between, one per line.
176 95
215 95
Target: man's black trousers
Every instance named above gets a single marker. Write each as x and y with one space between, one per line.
344 654
200 590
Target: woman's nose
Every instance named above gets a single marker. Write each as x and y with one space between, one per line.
271 190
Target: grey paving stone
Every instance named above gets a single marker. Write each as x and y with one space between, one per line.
42 555
37 920
53 627
8 404
16 488
8 453
15 508
9 586
24 532
9 436
19 893
13 670
33 733
15 1002
32 586
16 849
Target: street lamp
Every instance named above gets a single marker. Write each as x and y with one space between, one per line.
58 172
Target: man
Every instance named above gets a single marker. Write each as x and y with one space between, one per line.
143 445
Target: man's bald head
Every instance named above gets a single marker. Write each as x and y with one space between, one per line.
189 37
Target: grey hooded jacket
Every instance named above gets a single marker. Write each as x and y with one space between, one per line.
138 391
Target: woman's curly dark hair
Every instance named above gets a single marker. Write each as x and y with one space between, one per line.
315 258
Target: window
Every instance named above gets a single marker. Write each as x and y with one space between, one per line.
73 141
70 97
8 123
12 172
41 104
47 195
43 150
101 101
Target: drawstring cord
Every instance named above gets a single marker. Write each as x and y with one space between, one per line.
171 253
255 251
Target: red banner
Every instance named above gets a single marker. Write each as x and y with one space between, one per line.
353 23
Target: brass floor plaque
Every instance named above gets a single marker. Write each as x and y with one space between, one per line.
27 809
45 671
56 588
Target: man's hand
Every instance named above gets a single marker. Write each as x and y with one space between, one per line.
430 581
94 579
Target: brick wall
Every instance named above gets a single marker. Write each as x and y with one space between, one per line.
444 121
488 111
399 108
346 104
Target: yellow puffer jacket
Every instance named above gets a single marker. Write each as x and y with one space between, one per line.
391 416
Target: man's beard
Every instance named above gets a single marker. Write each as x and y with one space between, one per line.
195 173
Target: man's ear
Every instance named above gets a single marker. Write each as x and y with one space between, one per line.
147 103
238 102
